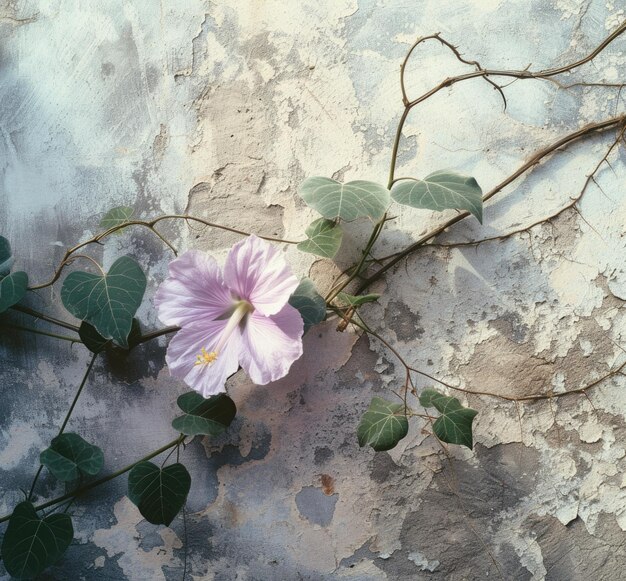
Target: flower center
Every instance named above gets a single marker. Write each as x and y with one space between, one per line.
239 312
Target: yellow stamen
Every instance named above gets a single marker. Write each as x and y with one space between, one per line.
205 358
240 311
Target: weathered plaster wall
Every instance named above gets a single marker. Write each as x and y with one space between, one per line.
221 109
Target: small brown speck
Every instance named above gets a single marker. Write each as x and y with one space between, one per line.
328 484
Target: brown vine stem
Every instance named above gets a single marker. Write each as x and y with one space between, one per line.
150 224
86 257
37 315
526 398
600 126
517 74
459 57
536 397
409 384
572 204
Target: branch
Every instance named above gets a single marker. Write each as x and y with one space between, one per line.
534 397
517 74
538 157
67 418
573 203
437 36
150 224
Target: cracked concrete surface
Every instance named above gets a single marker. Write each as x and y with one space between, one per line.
220 109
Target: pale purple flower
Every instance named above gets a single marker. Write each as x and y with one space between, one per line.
241 317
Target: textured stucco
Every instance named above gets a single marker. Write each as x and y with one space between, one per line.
220 109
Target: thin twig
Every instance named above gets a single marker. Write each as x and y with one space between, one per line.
517 74
534 397
457 54
146 224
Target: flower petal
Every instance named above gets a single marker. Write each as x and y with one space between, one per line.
258 273
194 290
188 343
271 344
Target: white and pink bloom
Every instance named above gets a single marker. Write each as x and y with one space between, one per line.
238 317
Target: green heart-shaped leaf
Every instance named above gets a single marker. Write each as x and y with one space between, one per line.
357 301
441 190
69 455
310 305
6 259
323 238
346 201
207 417
13 287
108 302
383 425
116 217
159 494
31 544
454 426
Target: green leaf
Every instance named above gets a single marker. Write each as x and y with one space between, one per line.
6 259
204 416
159 493
108 302
12 289
357 301
346 201
324 238
310 304
454 426
441 190
116 217
31 544
69 455
95 342
383 425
